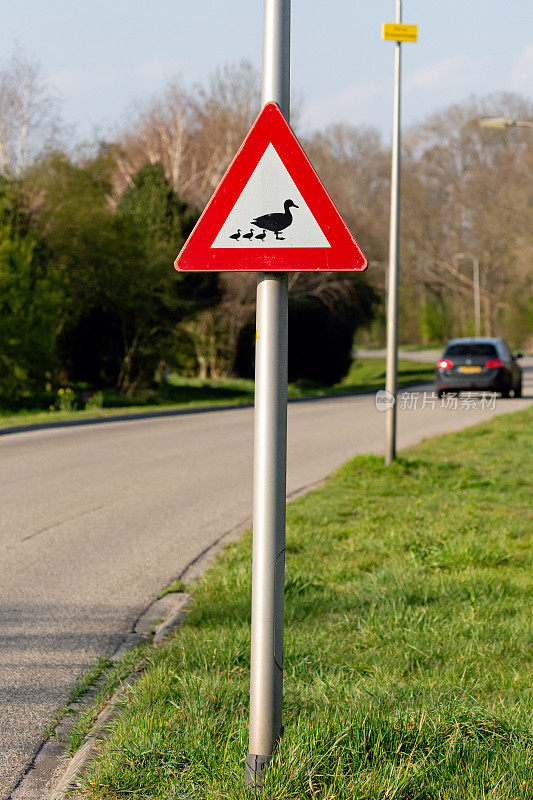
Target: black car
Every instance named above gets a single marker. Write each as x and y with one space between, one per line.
478 365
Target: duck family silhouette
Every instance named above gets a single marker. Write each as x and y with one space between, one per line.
275 222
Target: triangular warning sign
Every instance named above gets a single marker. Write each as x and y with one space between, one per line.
270 212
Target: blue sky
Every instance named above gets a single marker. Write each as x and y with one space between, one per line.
104 55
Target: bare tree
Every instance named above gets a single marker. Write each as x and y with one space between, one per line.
222 115
29 118
466 189
354 166
194 134
158 132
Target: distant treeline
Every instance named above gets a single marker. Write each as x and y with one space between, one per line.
87 290
89 294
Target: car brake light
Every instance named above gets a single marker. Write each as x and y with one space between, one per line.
445 363
494 363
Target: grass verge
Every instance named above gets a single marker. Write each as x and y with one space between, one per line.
364 374
116 674
84 683
406 653
91 692
175 587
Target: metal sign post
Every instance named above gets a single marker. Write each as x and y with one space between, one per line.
270 172
270 450
391 384
398 33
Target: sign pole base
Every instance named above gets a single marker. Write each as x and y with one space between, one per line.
268 558
253 771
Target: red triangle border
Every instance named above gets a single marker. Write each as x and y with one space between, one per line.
344 252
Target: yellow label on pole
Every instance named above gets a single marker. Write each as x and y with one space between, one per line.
399 33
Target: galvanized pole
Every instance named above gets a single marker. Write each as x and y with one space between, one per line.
270 450
394 243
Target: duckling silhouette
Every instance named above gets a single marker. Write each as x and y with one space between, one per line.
249 235
236 235
276 222
261 236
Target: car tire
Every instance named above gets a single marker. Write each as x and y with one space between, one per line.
518 390
506 392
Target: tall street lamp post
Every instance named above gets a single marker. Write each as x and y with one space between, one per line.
397 33
394 242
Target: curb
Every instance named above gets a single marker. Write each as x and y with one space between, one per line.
178 412
73 423
85 755
50 774
63 779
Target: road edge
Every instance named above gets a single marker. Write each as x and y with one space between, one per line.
178 412
84 756
50 769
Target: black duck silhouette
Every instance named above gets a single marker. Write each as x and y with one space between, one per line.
276 222
236 235
261 236
248 235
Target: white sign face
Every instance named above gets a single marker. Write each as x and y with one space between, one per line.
270 212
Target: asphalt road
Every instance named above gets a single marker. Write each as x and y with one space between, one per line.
430 356
95 521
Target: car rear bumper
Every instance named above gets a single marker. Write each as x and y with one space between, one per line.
495 381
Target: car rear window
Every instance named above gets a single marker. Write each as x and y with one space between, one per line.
473 349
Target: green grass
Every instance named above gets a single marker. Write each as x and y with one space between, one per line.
112 677
190 392
177 586
81 687
180 393
92 691
370 373
407 671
